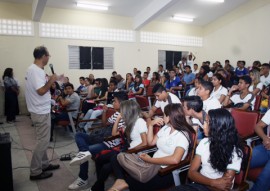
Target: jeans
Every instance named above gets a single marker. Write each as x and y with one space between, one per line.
91 114
261 157
84 143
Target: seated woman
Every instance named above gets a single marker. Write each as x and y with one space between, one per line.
173 142
97 111
218 156
261 155
256 85
138 87
220 91
193 91
129 82
88 90
135 130
155 79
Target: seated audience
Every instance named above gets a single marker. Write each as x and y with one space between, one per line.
163 98
82 81
145 80
209 102
256 86
155 79
70 102
55 91
265 75
242 99
148 70
209 171
121 83
261 155
160 70
204 70
129 82
241 70
188 78
196 69
176 131
220 91
173 85
87 146
138 87
193 91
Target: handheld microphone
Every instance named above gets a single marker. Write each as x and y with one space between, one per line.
51 66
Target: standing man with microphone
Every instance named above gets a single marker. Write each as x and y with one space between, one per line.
38 101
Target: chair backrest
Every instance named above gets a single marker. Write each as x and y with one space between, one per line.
241 177
143 102
149 91
245 122
257 103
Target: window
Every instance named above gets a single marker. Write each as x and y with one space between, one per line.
95 58
170 58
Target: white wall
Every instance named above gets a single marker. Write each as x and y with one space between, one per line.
16 52
241 35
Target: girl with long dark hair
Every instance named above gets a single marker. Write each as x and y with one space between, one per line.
173 141
218 156
11 95
220 91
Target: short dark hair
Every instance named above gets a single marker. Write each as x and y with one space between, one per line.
146 73
161 65
187 66
82 78
69 85
195 64
207 86
158 88
40 51
194 102
121 96
113 82
266 65
246 79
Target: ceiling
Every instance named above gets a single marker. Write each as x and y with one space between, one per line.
145 11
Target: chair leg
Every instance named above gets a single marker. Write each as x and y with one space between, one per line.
72 123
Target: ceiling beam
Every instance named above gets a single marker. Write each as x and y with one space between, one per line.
38 7
151 11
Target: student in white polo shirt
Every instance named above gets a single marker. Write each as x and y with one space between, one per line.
242 99
265 74
208 170
209 102
163 98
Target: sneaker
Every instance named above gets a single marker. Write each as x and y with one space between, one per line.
80 158
78 184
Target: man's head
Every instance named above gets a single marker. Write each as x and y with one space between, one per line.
205 89
148 69
69 88
241 64
192 104
41 53
172 74
135 71
82 80
187 69
118 98
195 66
244 83
160 92
112 85
145 75
114 73
265 69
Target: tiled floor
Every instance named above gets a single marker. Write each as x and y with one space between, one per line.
23 142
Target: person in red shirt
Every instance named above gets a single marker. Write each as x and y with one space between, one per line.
145 81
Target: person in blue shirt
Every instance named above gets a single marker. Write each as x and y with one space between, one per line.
241 70
188 78
173 85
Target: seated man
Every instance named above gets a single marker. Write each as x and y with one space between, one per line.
209 102
188 78
261 155
196 116
70 102
173 85
242 99
163 98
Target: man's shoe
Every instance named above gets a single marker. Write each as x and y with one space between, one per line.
51 167
78 184
43 175
80 158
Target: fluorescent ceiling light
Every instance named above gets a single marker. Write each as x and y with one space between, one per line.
214 1
89 5
182 18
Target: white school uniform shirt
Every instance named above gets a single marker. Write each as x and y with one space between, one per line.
219 92
192 92
236 98
259 85
35 79
265 80
135 135
167 142
162 104
211 103
266 117
203 150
